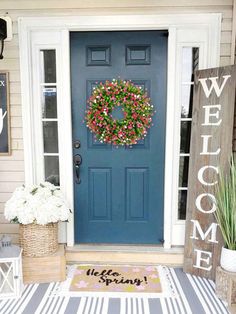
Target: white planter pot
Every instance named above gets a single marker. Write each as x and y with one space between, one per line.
228 259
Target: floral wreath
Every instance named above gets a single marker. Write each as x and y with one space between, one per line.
136 108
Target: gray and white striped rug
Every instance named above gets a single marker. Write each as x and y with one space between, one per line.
194 295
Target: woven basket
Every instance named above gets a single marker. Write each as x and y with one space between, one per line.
38 240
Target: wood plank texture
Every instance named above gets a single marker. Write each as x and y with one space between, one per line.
15 99
221 138
14 237
11 165
226 287
2 219
14 86
14 76
2 207
54 267
9 186
226 25
226 11
16 122
80 4
171 259
17 144
225 50
233 40
12 176
16 132
16 155
224 61
16 111
10 64
226 37
9 228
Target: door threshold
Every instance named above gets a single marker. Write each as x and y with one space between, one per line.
124 254
123 248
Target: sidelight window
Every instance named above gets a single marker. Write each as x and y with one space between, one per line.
190 63
48 82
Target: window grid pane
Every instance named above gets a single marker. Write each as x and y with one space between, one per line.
48 69
51 169
183 171
182 202
186 98
50 137
49 102
185 133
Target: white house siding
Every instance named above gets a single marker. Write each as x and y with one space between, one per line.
12 167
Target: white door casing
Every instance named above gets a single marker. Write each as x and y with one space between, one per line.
36 33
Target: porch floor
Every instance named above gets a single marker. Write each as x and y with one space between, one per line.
195 295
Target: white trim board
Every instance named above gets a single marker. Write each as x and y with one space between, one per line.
36 33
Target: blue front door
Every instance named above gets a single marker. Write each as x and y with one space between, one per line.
120 197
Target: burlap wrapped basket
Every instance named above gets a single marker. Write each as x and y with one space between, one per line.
38 240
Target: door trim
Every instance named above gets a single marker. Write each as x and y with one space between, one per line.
36 33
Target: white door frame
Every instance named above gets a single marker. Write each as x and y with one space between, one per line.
35 33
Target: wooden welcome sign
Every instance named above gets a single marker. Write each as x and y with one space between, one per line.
210 150
4 115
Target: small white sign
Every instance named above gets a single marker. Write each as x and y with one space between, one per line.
50 91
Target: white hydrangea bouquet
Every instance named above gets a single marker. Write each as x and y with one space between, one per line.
38 204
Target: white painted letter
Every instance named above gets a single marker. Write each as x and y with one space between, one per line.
198 203
214 85
2 116
200 175
209 114
200 259
205 146
211 230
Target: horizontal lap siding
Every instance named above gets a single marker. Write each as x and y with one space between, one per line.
12 167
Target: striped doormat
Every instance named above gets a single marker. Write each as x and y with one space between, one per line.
194 295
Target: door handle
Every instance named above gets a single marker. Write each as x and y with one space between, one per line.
77 163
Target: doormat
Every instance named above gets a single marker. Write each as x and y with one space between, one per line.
117 281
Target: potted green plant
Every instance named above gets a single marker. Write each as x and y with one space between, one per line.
225 199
